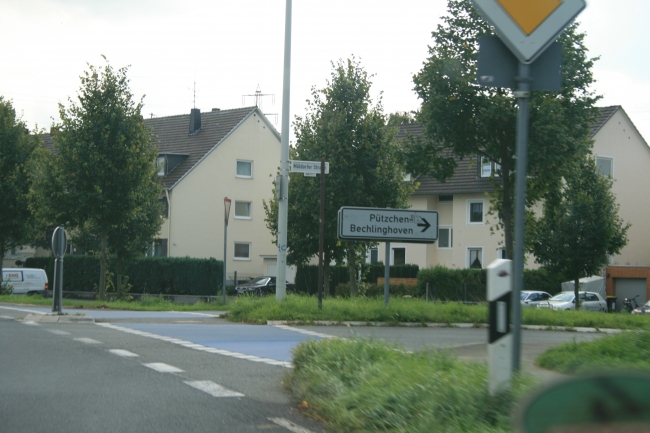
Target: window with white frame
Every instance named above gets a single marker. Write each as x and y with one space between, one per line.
160 165
605 165
475 210
242 251
488 167
243 209
475 257
445 237
245 169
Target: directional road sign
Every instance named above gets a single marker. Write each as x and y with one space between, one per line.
528 27
388 225
307 167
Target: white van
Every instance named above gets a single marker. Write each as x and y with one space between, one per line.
26 280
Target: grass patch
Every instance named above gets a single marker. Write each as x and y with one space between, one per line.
305 309
150 303
367 386
629 350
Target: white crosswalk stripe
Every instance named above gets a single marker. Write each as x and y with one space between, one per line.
87 340
163 368
124 353
214 389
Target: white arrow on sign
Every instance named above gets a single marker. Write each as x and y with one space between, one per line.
528 27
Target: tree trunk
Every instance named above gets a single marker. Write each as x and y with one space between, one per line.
507 207
352 269
103 264
576 283
118 284
326 278
2 258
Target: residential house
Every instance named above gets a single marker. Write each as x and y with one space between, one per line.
468 234
204 158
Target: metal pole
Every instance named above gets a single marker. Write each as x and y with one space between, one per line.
387 273
225 245
522 94
321 234
283 202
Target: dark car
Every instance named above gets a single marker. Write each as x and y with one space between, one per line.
259 286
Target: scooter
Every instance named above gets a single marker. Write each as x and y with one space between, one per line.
630 304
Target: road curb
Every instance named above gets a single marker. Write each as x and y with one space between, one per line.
55 318
436 325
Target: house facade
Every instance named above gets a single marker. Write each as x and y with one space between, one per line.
204 158
467 233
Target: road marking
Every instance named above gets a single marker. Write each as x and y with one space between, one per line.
163 368
32 323
213 389
295 428
304 331
57 332
6 317
125 353
23 309
200 347
87 340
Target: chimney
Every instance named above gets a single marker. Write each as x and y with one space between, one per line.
195 121
216 110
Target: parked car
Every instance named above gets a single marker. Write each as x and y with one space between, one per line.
644 309
259 286
531 298
26 281
590 301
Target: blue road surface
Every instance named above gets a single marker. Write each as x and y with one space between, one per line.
257 340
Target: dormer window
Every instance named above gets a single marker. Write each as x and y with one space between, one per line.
488 167
160 165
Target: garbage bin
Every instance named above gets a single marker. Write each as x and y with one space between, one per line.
611 304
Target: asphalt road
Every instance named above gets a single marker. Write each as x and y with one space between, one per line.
160 371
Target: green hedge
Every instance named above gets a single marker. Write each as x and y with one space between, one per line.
152 275
307 275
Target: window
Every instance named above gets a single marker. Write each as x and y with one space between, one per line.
445 199
159 248
501 253
399 256
160 165
164 207
474 211
243 209
475 257
242 251
374 255
605 165
488 167
445 237
245 169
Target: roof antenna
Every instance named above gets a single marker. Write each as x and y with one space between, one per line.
258 101
194 95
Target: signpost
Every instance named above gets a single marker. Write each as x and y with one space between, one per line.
59 244
383 224
527 27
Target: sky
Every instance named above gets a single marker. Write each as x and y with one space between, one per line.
209 54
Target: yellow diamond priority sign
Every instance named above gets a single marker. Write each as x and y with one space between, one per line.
528 27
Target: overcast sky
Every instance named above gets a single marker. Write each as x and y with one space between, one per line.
229 48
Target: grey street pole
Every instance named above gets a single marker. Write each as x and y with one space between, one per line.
523 95
226 202
283 201
321 233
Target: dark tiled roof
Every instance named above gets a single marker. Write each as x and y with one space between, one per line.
466 179
605 114
172 137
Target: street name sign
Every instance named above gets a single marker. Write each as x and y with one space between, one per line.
307 167
387 225
528 27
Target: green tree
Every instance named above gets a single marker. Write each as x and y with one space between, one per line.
580 227
102 172
345 127
17 146
464 120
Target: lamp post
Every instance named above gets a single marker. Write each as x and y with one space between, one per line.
226 203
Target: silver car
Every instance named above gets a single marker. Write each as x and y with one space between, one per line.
532 298
589 301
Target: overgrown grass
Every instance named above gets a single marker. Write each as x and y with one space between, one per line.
629 350
305 309
367 386
151 303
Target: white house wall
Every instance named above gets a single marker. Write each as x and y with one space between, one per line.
197 201
620 140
